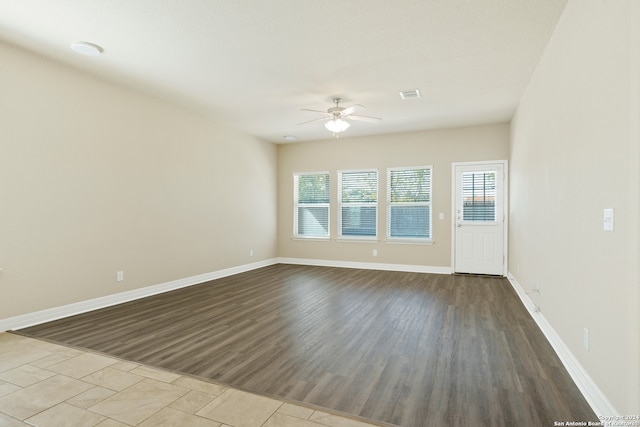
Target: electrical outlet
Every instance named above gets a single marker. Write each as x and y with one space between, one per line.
608 220
120 276
375 252
585 339
250 252
536 287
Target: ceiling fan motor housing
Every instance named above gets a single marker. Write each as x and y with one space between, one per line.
335 110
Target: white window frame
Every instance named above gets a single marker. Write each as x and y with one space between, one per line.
297 205
405 239
347 237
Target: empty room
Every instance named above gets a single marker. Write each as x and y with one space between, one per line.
320 213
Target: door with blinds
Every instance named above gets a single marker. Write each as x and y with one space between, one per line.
479 229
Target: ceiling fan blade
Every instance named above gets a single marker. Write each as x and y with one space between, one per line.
365 119
315 111
351 110
314 120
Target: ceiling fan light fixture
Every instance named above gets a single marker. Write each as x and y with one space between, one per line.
337 125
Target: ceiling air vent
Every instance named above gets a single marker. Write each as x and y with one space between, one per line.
409 94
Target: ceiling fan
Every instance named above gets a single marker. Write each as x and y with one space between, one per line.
336 116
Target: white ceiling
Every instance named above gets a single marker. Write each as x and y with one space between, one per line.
256 63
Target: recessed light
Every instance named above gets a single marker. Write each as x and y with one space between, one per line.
290 138
85 48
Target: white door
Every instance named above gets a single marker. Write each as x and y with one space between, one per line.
480 221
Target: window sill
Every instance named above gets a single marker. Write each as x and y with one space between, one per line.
351 239
426 242
312 238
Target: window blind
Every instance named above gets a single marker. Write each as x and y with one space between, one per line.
358 199
479 196
409 203
312 204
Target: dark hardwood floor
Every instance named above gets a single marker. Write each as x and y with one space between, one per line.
409 349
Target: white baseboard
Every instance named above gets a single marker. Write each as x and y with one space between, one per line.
30 319
43 316
589 389
592 393
367 265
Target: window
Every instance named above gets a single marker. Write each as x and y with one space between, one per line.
409 203
311 204
358 203
479 196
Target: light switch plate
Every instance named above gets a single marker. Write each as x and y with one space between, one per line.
608 219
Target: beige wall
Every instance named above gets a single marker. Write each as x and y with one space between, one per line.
574 152
95 178
438 148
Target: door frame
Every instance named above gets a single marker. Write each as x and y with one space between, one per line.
505 199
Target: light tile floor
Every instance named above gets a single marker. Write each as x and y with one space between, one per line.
48 385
